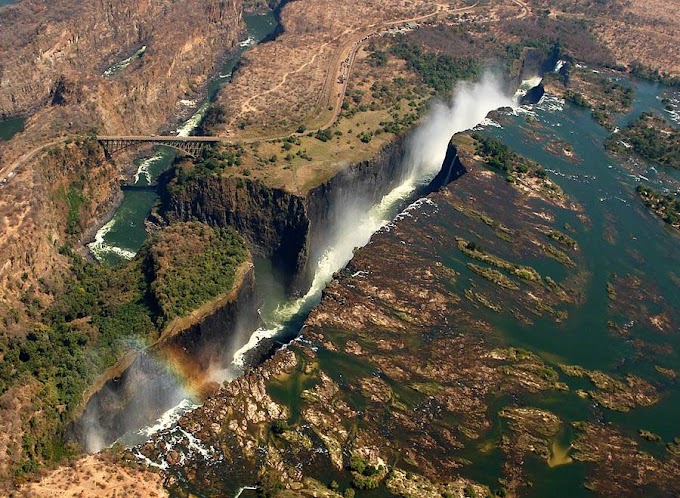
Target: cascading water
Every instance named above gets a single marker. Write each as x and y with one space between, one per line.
354 221
426 150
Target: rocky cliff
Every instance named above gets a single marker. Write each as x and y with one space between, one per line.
179 366
59 52
394 382
288 228
68 188
273 222
52 63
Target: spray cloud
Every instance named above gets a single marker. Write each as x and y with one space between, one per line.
468 107
354 218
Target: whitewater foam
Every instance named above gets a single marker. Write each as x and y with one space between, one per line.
143 169
99 247
169 418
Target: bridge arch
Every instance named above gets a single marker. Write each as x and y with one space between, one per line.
192 146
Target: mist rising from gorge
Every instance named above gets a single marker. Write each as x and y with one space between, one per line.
470 104
353 218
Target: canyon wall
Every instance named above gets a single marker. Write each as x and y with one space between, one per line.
287 228
175 368
57 74
58 53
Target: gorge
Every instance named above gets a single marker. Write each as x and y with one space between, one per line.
392 277
308 240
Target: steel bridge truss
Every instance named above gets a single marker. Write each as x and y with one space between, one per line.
192 146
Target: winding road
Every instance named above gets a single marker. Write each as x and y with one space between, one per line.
345 58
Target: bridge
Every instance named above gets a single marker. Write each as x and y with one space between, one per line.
192 146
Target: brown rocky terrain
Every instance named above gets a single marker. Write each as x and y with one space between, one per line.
635 31
300 77
70 95
349 394
97 476
54 189
302 406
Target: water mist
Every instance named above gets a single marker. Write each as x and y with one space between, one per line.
353 220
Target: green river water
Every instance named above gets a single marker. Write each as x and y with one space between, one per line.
622 237
605 187
119 239
11 127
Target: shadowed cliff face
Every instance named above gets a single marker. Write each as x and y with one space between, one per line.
273 222
393 365
52 61
177 370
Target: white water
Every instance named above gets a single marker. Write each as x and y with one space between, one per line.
426 150
168 419
558 67
190 124
244 488
143 168
336 256
100 247
425 155
249 42
116 68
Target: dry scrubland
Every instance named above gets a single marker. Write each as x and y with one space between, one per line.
58 73
52 60
643 31
647 31
97 476
289 81
303 162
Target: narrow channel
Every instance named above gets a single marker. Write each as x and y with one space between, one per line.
121 237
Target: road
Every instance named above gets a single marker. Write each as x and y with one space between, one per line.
6 171
332 80
359 42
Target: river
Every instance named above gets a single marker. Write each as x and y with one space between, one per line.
120 239
641 245
622 238
11 127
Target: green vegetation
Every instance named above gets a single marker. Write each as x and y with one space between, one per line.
576 99
323 135
213 161
365 475
99 313
493 276
615 98
440 71
192 264
474 251
93 318
74 200
500 156
650 136
558 236
666 206
645 72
